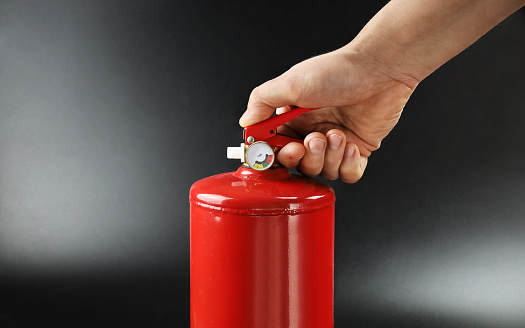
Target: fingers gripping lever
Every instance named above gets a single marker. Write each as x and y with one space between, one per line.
260 139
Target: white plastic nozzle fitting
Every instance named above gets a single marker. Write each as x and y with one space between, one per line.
236 152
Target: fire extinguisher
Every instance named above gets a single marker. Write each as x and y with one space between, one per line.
261 241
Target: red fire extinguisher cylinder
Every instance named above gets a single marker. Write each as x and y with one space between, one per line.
262 251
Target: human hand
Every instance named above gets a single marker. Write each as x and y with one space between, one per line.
359 102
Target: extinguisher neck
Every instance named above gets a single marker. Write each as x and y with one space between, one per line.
274 173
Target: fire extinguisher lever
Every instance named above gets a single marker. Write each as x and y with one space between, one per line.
260 140
267 130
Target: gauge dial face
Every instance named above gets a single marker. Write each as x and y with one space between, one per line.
260 156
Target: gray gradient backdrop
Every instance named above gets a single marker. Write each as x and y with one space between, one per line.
110 110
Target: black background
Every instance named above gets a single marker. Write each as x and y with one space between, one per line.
110 110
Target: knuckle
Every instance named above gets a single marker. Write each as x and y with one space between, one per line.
329 176
350 179
310 169
330 169
372 146
332 161
351 175
255 93
294 84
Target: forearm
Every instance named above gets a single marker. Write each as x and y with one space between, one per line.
415 37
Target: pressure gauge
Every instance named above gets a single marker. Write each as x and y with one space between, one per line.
260 156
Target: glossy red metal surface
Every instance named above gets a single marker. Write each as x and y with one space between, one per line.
262 251
267 130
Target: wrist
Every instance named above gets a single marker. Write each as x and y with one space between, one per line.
410 39
384 60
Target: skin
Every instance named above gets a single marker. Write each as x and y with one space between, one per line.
362 88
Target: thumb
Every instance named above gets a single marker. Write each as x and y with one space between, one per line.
265 98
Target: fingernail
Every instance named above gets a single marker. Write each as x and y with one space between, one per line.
334 141
316 145
350 151
280 110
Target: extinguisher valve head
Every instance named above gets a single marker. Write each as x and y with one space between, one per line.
236 152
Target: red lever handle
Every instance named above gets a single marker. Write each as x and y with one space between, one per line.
267 130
